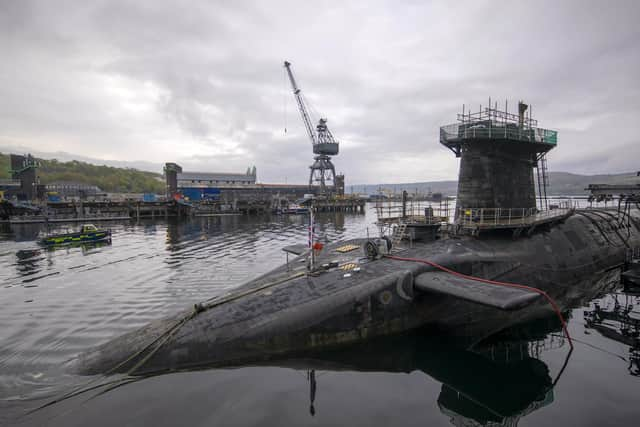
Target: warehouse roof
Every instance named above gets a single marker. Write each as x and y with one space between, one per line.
215 176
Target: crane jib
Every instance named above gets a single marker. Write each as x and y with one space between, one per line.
321 135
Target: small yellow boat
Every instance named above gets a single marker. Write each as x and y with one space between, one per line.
88 233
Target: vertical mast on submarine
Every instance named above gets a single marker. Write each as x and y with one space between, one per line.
498 152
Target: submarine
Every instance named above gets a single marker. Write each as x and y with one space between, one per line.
506 257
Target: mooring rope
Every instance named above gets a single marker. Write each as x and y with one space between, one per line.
161 340
197 308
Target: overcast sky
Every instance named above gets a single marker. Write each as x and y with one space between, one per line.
202 83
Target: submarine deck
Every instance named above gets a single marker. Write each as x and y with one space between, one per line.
343 265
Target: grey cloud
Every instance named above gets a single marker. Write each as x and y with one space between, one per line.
202 83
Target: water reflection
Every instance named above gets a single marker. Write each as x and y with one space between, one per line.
29 261
614 318
493 383
32 261
496 382
86 248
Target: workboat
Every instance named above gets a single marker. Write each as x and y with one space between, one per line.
295 209
88 233
505 257
292 209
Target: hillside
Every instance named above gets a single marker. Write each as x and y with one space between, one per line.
560 184
109 179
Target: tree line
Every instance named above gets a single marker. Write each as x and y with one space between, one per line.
107 178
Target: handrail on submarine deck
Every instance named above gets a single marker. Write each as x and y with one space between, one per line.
412 212
507 217
414 219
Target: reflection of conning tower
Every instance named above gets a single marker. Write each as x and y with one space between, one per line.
171 171
23 168
498 152
517 389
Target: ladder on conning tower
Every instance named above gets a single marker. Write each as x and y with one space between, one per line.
543 181
398 234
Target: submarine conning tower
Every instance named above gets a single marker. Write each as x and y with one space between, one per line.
499 152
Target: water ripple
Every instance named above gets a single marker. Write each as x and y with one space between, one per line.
81 297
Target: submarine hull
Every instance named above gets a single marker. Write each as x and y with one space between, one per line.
290 310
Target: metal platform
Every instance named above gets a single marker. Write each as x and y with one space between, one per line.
299 249
42 219
491 124
496 218
614 189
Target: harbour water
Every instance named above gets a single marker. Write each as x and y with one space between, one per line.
58 303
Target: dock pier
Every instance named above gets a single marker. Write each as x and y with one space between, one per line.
351 204
232 204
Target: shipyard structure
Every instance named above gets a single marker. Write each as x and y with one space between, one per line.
24 200
240 192
24 183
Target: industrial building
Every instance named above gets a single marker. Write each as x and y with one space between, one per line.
73 189
9 187
213 179
236 191
204 185
23 170
207 185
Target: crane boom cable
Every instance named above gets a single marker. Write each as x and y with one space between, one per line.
314 116
284 98
306 119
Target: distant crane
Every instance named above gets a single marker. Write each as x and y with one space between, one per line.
323 172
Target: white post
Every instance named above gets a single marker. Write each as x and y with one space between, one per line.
311 230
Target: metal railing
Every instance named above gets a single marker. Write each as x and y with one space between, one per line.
413 211
496 217
456 132
390 214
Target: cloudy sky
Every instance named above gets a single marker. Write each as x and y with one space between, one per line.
202 83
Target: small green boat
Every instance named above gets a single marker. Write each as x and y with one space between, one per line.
88 233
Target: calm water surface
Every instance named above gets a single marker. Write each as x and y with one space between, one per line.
56 304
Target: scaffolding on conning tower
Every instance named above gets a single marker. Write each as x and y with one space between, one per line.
491 123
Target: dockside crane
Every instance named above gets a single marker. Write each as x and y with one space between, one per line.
322 171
